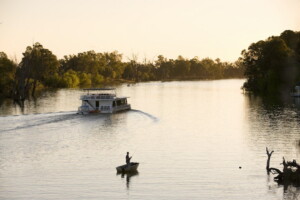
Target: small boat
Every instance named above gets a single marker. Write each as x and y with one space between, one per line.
102 100
126 169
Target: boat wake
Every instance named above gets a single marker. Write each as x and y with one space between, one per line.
19 122
16 122
146 114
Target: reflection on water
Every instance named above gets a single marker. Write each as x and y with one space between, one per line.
275 123
191 137
47 102
128 176
291 193
296 102
146 114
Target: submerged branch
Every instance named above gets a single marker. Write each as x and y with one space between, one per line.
290 173
269 154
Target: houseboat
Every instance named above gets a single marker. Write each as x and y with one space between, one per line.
102 100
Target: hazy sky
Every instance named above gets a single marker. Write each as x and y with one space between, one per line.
148 28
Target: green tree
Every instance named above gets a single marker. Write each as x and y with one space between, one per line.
181 67
37 64
130 71
271 66
197 69
208 65
70 79
54 81
7 75
163 68
85 80
97 79
113 66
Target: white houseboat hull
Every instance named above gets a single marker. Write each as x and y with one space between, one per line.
83 110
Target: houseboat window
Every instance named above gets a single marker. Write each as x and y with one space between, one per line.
97 104
114 103
120 102
105 108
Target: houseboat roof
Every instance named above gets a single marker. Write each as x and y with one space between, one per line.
95 89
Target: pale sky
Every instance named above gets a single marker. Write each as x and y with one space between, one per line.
147 28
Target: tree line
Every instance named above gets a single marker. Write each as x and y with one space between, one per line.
272 66
40 68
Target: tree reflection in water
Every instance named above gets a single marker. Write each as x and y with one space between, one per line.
291 193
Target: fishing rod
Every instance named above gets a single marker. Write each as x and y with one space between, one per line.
133 152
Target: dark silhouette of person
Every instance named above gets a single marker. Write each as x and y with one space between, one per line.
128 158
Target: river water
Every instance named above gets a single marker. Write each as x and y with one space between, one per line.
189 137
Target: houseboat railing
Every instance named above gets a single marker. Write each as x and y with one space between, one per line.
87 97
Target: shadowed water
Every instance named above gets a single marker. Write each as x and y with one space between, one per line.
190 139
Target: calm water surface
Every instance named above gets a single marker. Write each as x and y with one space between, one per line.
189 137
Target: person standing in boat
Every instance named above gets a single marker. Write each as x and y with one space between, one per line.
128 158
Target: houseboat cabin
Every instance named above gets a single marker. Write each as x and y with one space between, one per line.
102 100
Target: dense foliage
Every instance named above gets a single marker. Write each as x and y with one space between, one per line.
7 75
273 65
37 66
40 68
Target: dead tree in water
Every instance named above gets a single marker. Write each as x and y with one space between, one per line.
290 173
268 161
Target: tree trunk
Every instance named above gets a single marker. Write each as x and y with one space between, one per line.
269 154
289 175
33 88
